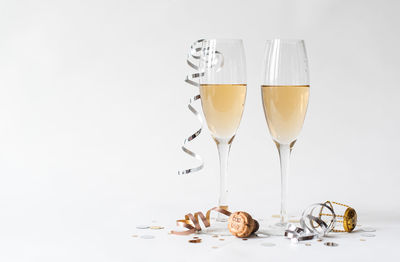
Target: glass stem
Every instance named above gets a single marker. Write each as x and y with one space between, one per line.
223 152
284 155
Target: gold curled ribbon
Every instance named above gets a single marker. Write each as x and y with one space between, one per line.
192 222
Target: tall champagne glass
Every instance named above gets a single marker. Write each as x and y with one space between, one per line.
285 90
223 93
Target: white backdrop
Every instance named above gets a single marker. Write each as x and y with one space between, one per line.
93 113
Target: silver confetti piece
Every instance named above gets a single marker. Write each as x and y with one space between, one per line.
331 244
368 229
142 227
368 235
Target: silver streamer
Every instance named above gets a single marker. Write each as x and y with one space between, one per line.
192 79
311 226
194 54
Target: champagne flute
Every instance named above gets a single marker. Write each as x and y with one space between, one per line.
285 91
223 93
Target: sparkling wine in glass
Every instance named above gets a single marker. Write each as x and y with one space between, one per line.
285 90
223 94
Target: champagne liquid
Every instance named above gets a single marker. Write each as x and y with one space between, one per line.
223 106
285 109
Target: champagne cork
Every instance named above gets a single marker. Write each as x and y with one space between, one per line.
241 224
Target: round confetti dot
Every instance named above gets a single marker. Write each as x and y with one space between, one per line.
156 227
368 235
368 229
331 244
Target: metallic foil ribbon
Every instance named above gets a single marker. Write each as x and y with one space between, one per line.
216 61
194 54
311 226
192 222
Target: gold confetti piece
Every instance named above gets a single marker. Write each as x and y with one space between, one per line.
319 240
276 216
134 235
214 247
221 239
195 237
194 240
362 239
294 220
308 244
215 236
156 227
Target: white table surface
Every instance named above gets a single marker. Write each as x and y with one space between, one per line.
177 248
102 231
93 113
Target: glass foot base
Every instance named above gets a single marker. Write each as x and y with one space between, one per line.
272 226
221 218
277 229
281 225
219 228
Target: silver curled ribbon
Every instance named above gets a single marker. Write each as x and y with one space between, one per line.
216 60
311 226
